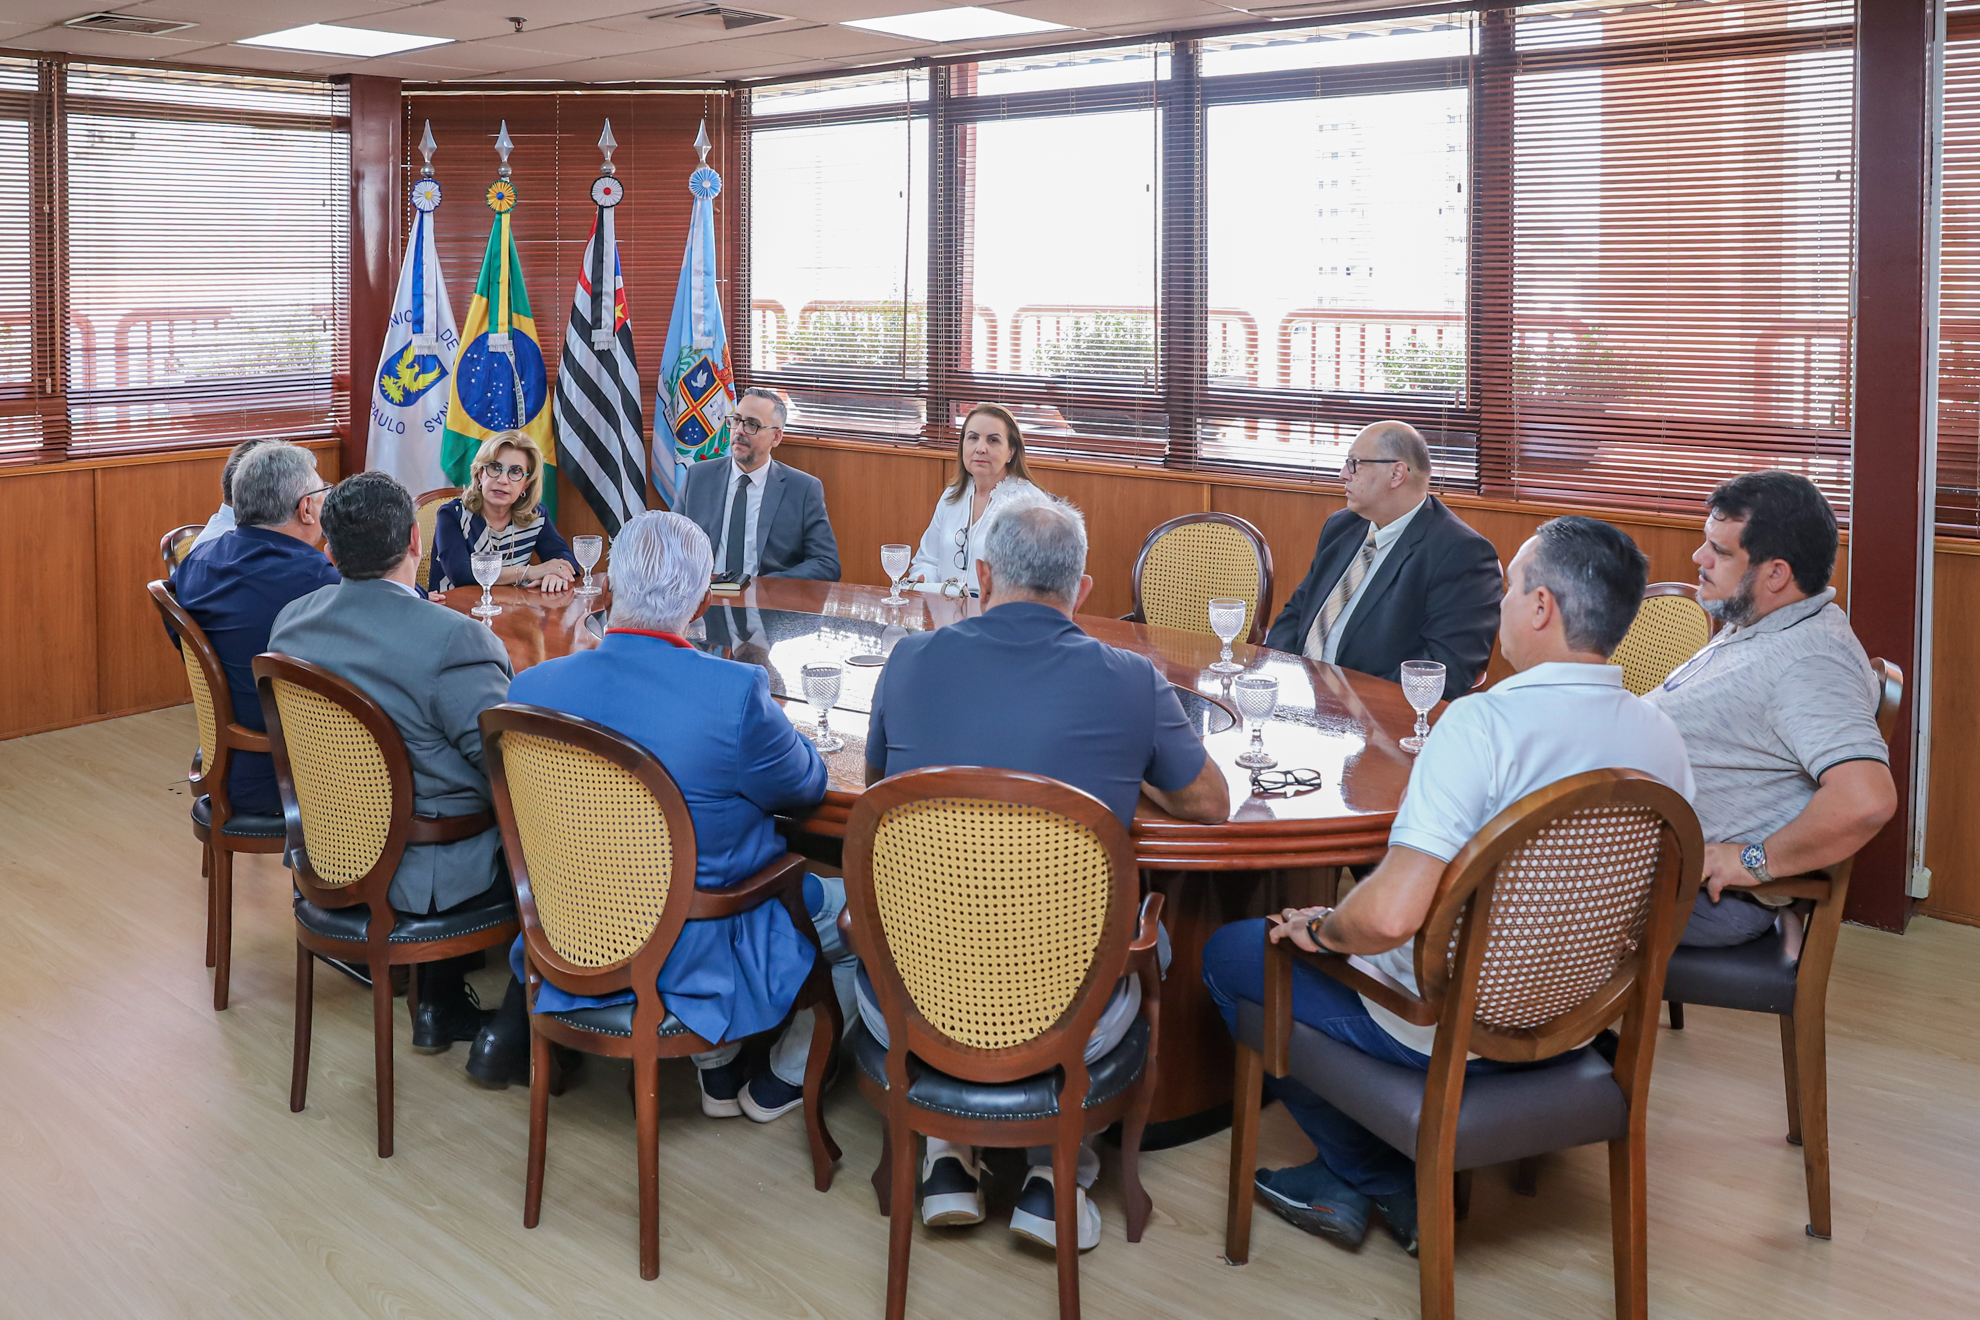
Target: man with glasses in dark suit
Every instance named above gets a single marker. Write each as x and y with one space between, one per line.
763 518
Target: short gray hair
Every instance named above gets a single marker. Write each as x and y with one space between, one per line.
660 568
1036 543
1403 441
775 400
271 481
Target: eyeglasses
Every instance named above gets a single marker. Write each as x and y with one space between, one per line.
513 471
320 490
749 425
1287 782
962 548
1354 465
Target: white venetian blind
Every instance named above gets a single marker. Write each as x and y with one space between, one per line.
20 428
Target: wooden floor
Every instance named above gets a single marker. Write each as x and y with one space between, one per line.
149 1164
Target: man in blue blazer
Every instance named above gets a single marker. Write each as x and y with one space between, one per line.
762 518
1397 576
738 762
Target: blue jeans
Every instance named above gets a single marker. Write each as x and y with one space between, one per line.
1234 969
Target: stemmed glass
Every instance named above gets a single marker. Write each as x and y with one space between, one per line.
894 559
1226 617
587 549
1257 697
1423 687
821 689
486 569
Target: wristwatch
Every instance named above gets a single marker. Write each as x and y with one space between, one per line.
1754 858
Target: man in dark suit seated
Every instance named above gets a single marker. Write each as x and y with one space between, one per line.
235 585
433 671
1396 576
763 518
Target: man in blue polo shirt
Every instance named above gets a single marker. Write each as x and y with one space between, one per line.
235 585
1022 688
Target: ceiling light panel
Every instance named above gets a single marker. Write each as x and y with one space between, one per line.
332 39
966 23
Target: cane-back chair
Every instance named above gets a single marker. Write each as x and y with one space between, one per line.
347 803
220 829
602 852
995 912
1669 627
1786 972
1189 561
426 510
1556 919
175 545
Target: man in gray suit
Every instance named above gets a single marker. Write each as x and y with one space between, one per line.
434 671
763 518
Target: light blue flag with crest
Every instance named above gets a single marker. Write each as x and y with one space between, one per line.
697 387
410 390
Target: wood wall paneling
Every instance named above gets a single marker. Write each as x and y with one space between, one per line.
377 110
1120 512
136 668
1952 827
48 599
873 497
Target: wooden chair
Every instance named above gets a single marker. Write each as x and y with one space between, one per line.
1669 628
602 852
175 545
1188 561
221 830
1770 975
347 803
995 911
1555 919
425 510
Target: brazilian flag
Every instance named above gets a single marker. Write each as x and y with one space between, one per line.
499 379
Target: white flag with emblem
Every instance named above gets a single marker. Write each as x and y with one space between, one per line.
410 392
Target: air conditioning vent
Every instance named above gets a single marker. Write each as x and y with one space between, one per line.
127 23
729 18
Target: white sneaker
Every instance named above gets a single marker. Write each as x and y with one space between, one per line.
1033 1215
951 1186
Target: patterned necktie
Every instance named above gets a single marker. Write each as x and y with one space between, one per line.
1337 600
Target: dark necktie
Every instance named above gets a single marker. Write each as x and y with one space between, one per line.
732 553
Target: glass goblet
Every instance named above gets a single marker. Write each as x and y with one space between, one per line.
821 689
587 549
1226 618
486 569
1423 687
1257 697
894 561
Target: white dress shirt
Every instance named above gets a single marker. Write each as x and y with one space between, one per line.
1492 748
216 527
1385 539
935 562
754 506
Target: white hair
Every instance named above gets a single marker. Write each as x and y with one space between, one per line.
1036 542
660 568
271 481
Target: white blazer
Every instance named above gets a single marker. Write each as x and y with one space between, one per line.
935 562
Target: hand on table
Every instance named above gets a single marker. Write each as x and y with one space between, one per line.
1292 923
557 575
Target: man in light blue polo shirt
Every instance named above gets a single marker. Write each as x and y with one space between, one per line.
1571 594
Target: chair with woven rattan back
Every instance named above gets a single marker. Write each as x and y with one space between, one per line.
1553 921
175 545
1669 628
347 803
1189 561
995 912
220 829
1786 972
602 852
426 509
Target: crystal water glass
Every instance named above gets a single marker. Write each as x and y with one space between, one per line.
587 549
1257 697
1226 618
821 689
486 569
894 561
1423 687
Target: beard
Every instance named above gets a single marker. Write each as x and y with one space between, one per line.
1737 610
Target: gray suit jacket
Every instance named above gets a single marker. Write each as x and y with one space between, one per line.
793 536
434 671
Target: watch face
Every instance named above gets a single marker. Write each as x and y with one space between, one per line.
426 194
501 196
607 191
1752 856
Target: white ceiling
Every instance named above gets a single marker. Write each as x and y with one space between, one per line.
589 40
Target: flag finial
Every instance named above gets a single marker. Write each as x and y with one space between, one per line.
503 146
701 142
427 146
608 144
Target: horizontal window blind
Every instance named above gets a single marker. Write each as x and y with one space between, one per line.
20 391
1959 280
208 236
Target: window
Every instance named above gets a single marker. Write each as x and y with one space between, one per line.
20 421
1959 280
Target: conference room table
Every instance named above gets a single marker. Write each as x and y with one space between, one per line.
1275 850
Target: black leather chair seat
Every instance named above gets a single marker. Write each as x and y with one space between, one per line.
1756 976
492 908
238 827
614 1020
1504 1116
1028 1098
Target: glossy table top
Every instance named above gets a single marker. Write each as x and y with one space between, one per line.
1345 725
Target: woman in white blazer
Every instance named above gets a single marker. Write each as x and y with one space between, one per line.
989 469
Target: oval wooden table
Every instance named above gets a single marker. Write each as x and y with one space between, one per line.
1275 850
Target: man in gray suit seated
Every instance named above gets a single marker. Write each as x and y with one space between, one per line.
434 671
763 518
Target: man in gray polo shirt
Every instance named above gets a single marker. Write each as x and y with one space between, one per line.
1779 711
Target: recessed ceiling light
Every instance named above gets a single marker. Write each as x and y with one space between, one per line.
966 23
330 39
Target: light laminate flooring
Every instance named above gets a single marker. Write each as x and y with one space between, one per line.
149 1164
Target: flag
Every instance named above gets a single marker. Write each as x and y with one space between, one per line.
499 380
600 432
410 392
697 387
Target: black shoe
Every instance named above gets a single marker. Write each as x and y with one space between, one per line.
445 1017
1398 1211
500 1054
1311 1197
